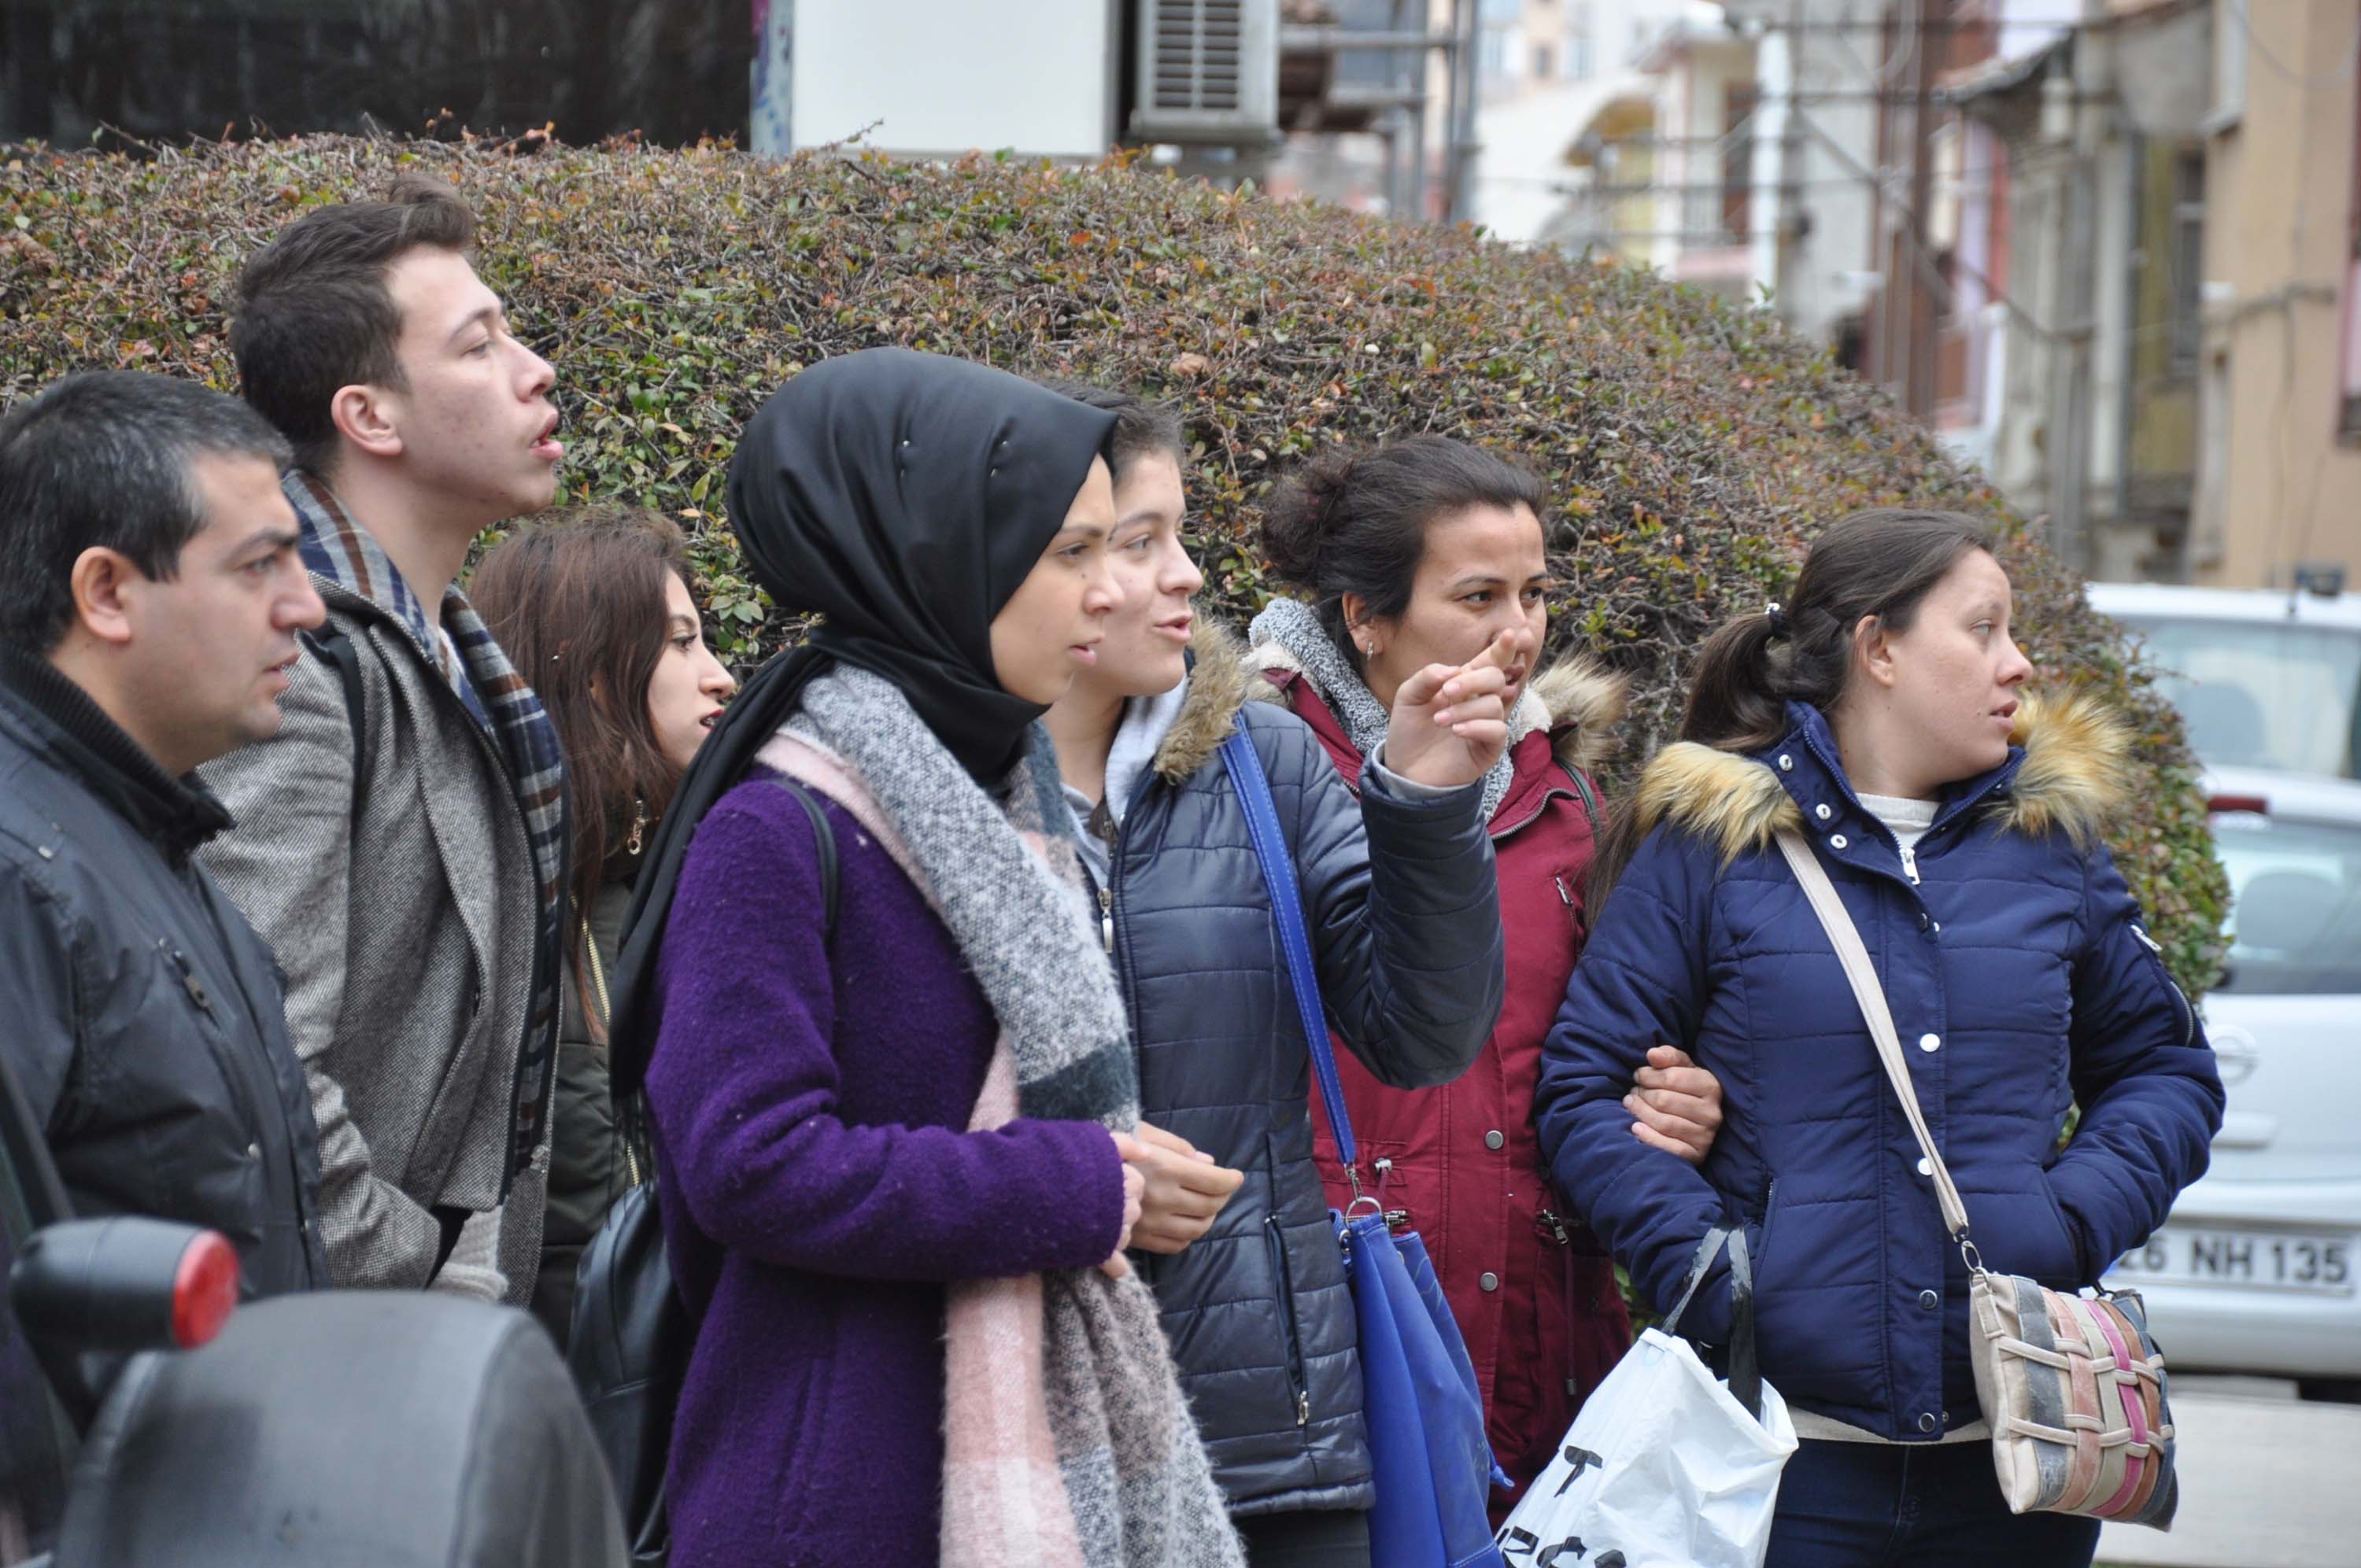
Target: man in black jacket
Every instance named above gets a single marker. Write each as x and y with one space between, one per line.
151 595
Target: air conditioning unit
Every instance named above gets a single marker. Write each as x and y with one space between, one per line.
1206 72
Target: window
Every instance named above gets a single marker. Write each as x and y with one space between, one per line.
1577 56
2295 914
1494 57
1544 62
2262 695
2187 273
1736 158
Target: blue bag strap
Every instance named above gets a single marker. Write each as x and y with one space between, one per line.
1243 765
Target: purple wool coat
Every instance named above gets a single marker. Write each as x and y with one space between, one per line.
810 1092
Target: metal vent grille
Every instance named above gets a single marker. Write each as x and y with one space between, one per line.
1205 71
1198 45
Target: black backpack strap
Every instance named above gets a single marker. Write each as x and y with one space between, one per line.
1582 787
331 645
631 1109
823 841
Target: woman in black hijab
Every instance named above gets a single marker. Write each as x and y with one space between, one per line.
892 1108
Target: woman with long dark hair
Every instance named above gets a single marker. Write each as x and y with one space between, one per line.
1406 553
1881 713
594 605
1401 906
890 1077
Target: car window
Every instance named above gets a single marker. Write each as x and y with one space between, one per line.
2295 916
2257 695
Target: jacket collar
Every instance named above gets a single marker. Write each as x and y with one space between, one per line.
336 548
2068 768
178 815
1217 689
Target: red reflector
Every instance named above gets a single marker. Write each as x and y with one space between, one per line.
2254 803
205 1288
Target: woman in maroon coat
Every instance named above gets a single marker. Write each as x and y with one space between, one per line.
1419 551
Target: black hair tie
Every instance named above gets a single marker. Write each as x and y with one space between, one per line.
1778 620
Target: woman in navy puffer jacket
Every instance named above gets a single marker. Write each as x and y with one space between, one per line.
1879 715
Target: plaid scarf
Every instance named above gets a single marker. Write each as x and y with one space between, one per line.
340 554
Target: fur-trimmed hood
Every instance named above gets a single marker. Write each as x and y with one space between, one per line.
1217 689
1578 700
2076 770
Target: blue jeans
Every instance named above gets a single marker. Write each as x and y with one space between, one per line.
1868 1504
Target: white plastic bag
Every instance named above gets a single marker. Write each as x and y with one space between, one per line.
1662 1469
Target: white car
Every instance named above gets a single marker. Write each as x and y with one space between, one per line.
2258 1268
2264 679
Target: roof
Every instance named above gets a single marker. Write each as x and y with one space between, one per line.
1702 22
2273 606
2002 73
1533 143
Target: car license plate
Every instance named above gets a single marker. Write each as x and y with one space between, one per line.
2269 1260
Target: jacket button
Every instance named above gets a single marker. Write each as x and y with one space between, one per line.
253 1151
1926 1166
1839 842
1821 812
1926 1421
1494 1139
1488 1282
1786 763
1929 1301
1930 1042
1925 920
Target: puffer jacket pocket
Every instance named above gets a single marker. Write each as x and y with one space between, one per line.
1766 1221
2026 1232
1299 1385
2077 1269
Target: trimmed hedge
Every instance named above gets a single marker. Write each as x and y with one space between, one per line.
1691 447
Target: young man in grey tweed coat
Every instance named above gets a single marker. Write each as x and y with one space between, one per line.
401 842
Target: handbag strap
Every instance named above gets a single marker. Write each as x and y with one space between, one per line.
1871 995
1243 765
1745 1365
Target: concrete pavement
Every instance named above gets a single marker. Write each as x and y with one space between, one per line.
2266 1481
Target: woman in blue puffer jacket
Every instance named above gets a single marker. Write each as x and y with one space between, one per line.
1880 716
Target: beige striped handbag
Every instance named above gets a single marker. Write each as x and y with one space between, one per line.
2073 1384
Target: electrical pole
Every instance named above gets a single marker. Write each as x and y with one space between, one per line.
1918 322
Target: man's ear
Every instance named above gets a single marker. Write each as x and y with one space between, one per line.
368 417
101 581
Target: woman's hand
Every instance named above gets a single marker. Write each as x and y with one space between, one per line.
1185 1190
1450 721
1678 1104
1134 1187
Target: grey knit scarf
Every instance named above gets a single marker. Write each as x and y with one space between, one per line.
1290 625
1117 1449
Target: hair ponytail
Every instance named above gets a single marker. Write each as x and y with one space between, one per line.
1879 566
1737 692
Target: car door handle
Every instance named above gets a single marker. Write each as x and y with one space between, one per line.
2247 1130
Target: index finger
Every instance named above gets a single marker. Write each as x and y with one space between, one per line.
1497 654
